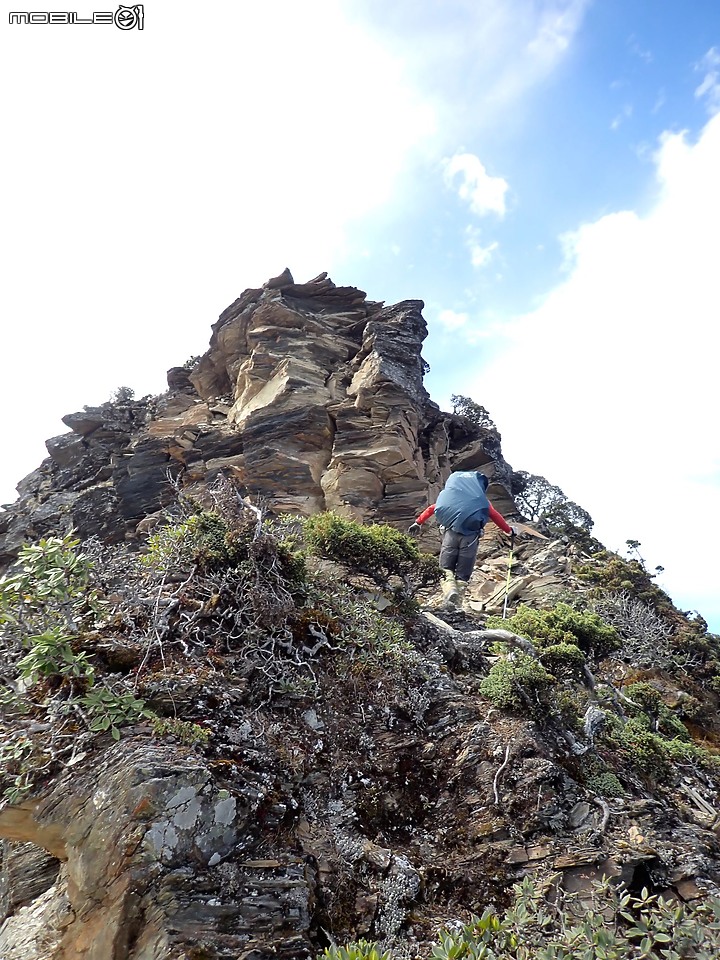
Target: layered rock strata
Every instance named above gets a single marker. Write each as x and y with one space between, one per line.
309 395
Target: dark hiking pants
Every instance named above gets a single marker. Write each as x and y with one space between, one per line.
458 553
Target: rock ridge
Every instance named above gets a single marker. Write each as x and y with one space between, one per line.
309 396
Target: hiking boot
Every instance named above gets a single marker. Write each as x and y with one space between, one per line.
462 602
449 590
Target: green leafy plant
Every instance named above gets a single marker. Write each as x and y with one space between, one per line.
612 925
110 710
45 600
51 654
360 950
15 762
47 586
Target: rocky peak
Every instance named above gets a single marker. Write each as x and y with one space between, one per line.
310 396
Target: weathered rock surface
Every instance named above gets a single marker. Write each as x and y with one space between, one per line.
310 396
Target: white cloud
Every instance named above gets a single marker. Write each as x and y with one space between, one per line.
710 86
150 187
660 101
480 255
484 193
452 320
475 58
615 374
635 48
621 117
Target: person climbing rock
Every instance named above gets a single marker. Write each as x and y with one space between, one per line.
462 509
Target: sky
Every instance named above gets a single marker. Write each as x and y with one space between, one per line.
543 174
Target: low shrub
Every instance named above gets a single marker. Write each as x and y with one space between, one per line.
658 717
182 730
204 540
564 660
562 624
605 785
517 681
378 551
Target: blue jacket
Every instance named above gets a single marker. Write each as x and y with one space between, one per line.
462 505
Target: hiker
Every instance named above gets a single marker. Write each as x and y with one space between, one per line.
462 510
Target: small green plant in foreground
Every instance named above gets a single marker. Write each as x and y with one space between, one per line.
47 602
47 588
614 925
361 950
52 655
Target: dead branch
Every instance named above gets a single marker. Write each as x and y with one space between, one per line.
599 802
486 636
497 775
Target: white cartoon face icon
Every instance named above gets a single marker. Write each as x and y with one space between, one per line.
128 17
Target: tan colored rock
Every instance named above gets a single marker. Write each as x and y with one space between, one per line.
310 397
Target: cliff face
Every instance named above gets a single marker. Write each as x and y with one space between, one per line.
314 759
309 396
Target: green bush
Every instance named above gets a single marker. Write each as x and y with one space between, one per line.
516 682
657 716
47 603
644 749
45 599
182 730
563 660
645 926
610 573
204 539
48 588
376 550
562 624
110 710
605 785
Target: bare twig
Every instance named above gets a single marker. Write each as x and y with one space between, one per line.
497 775
618 696
599 802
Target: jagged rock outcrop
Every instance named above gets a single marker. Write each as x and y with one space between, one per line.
310 396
